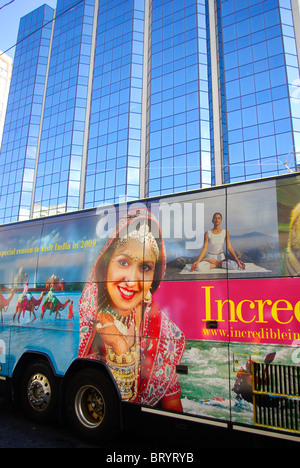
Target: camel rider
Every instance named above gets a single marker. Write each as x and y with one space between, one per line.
26 293
51 298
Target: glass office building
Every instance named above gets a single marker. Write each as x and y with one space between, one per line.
260 87
115 100
19 150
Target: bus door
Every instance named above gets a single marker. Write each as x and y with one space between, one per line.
253 288
194 296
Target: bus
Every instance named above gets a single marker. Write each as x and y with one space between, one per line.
185 306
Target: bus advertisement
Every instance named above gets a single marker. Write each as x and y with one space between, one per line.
186 305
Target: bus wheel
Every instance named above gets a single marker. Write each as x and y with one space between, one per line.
93 406
39 393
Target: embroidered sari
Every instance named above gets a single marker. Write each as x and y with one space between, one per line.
161 342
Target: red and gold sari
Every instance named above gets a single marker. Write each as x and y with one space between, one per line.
160 342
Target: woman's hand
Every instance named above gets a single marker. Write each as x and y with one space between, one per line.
111 335
241 265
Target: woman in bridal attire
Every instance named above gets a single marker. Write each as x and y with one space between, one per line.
121 324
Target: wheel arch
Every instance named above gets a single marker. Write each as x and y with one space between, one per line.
80 373
25 360
80 364
30 357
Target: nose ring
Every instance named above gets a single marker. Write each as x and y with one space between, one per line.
128 280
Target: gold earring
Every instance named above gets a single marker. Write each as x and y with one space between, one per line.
148 297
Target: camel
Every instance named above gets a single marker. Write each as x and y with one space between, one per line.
56 308
5 302
31 305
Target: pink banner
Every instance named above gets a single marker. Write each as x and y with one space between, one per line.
257 311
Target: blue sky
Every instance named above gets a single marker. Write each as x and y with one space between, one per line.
9 20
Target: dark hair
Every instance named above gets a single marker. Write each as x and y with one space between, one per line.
217 213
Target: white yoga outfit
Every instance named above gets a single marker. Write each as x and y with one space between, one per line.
215 248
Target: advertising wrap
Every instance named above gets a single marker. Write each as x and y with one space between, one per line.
174 295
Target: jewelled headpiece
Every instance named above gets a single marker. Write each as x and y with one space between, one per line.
141 235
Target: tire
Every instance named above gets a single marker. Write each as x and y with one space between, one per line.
39 393
93 408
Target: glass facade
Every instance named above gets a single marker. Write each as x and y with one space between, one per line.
114 100
23 116
179 141
5 77
113 162
260 68
61 148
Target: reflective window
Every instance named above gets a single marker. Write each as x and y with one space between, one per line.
261 76
91 109
179 102
20 145
62 136
115 123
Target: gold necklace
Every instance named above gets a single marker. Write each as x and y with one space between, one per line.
125 369
126 320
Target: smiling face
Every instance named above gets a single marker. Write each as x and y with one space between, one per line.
130 275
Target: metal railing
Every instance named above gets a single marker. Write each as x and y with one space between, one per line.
276 396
